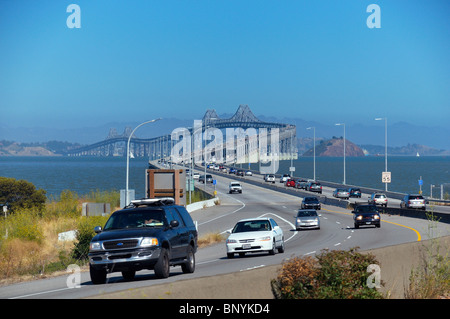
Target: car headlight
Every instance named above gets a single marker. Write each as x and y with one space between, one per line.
359 217
149 241
95 246
376 217
265 238
231 241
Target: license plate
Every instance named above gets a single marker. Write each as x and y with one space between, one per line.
246 246
368 223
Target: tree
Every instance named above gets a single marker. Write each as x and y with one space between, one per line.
20 194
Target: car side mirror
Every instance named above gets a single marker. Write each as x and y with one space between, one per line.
98 229
174 223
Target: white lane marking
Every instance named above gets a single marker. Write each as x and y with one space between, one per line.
254 267
224 215
40 293
337 244
292 225
310 253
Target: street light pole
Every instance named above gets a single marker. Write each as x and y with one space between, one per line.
343 124
314 147
385 145
128 156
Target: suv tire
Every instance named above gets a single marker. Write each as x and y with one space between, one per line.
97 276
162 269
189 266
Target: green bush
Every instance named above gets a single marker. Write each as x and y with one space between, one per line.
85 234
20 194
334 274
23 224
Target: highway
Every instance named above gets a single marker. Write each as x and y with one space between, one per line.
336 232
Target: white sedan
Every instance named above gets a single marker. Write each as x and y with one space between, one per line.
255 235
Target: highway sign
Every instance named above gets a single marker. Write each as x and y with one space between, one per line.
386 177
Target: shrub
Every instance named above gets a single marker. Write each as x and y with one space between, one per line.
66 205
85 234
19 257
23 224
334 274
297 279
21 194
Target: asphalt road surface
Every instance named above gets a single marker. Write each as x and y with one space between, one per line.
336 232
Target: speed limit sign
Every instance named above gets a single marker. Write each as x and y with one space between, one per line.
386 177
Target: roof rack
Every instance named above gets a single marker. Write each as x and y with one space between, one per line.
151 202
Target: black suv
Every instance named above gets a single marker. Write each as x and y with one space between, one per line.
366 215
147 234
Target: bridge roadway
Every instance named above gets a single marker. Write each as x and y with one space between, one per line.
394 198
336 232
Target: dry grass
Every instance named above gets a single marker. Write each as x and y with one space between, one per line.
210 239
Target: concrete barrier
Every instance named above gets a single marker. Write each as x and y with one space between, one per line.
203 204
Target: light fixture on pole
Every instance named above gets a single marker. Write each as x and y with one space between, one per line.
128 156
385 145
343 124
314 148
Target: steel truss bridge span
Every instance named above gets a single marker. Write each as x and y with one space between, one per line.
161 146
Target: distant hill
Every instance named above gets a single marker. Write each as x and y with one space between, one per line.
52 148
408 150
335 147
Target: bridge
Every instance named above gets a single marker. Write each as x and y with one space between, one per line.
160 147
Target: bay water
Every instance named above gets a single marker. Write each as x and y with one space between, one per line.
86 174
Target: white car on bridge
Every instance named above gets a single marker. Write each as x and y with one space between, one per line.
255 235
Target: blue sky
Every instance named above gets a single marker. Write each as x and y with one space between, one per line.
138 60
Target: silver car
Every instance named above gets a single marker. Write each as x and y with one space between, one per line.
413 201
378 199
341 193
307 218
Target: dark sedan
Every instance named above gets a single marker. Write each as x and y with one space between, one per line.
310 202
366 215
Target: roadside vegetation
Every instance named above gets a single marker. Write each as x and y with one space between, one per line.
431 279
336 274
29 245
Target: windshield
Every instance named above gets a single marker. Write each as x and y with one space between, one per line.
251 225
135 219
306 213
366 209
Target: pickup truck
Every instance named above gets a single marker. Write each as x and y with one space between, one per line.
235 187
